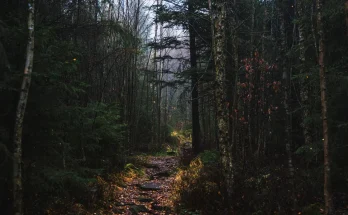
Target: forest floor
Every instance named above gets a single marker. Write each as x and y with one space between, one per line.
150 193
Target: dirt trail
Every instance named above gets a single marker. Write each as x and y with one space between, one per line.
149 194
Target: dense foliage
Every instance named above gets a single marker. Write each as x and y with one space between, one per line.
245 88
82 106
273 98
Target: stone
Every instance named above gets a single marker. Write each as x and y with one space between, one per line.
135 209
150 186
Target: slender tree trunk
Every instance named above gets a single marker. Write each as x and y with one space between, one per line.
154 130
287 138
287 86
213 133
208 126
321 62
252 28
219 38
230 69
159 86
194 81
201 111
314 32
23 97
250 106
263 128
211 14
264 23
136 114
236 68
346 10
159 93
304 89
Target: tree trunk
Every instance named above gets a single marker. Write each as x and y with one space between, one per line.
235 93
252 28
194 81
346 10
154 79
250 115
159 85
23 97
286 102
219 38
327 181
304 89
288 129
314 36
264 24
202 116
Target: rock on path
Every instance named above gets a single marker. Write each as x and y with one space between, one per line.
150 186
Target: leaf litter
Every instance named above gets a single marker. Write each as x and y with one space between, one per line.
134 199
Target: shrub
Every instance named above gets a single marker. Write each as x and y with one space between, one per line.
198 185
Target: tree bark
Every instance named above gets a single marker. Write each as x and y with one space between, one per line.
324 115
251 78
154 79
264 23
304 90
314 36
288 119
159 85
194 81
20 112
235 93
346 10
252 28
219 38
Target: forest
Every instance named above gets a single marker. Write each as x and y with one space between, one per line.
185 107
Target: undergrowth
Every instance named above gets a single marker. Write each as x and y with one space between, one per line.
196 187
98 194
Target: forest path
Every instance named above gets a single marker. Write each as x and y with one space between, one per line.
149 194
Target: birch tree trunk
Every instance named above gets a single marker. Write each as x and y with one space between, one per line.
219 44
327 179
23 97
